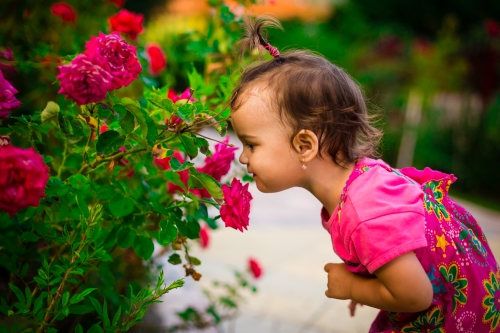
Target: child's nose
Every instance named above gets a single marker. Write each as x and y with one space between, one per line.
243 158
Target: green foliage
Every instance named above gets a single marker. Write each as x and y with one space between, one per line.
77 257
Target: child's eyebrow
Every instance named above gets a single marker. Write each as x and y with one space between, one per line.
246 136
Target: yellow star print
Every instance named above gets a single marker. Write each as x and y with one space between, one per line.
441 242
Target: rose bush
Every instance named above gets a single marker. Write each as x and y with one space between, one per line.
102 173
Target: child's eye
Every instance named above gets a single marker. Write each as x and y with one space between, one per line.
251 146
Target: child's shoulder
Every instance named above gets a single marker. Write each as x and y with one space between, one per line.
380 190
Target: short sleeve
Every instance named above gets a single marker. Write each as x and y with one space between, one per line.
391 218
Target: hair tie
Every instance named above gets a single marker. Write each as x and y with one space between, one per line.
272 50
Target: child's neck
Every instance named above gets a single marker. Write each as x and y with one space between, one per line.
326 181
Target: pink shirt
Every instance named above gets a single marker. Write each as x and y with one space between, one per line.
380 218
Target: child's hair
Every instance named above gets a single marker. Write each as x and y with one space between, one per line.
311 93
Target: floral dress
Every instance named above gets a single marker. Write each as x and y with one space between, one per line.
385 212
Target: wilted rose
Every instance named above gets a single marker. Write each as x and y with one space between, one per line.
255 268
85 80
120 56
23 178
64 11
236 211
204 236
128 23
157 59
219 163
7 99
186 94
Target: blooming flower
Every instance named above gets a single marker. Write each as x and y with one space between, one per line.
23 178
157 59
255 268
236 210
171 94
128 23
492 27
164 163
64 11
204 237
8 55
219 163
7 99
120 56
85 80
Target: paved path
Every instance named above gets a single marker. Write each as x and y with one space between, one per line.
286 236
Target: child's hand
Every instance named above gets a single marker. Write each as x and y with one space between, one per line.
352 307
339 281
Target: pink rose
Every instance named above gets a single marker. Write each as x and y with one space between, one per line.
8 55
7 99
219 163
128 23
23 178
85 80
255 268
204 237
171 94
236 210
120 56
164 163
64 11
157 59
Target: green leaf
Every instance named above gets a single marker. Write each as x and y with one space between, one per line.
39 303
195 261
41 282
212 186
144 247
120 109
51 110
105 316
162 103
125 237
104 111
65 298
177 166
127 123
105 192
79 328
168 231
109 142
138 139
28 236
82 205
175 259
79 297
80 309
189 145
121 206
117 316
186 113
96 304
56 187
18 292
96 328
79 182
27 292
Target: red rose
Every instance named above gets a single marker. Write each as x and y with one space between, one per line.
164 163
23 178
255 268
157 59
64 11
236 210
127 23
204 237
492 28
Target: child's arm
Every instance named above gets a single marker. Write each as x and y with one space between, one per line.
401 285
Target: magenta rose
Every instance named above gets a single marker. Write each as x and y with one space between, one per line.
86 79
23 178
186 94
219 163
120 56
7 99
236 210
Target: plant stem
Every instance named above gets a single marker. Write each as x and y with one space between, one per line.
65 153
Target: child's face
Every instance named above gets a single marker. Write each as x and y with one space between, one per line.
267 152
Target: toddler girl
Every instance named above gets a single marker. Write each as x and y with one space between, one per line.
408 249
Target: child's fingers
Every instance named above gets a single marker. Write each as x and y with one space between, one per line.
328 266
352 308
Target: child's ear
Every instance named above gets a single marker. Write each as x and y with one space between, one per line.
305 144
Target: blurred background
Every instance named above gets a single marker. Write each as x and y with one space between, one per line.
431 69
